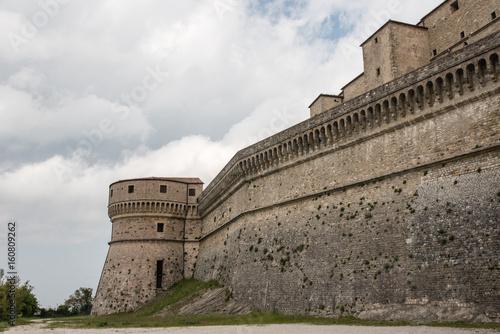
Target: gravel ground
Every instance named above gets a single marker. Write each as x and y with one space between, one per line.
247 329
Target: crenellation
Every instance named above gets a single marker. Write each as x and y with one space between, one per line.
392 88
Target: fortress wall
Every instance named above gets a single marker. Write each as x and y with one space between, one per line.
370 208
145 228
434 137
453 79
129 275
402 118
421 243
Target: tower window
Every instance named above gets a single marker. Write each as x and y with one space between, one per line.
159 227
159 273
192 192
378 71
493 15
454 6
130 189
434 52
163 189
462 35
376 40
111 193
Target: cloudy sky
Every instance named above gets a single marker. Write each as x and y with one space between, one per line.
100 90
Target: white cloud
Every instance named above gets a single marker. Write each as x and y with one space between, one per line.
34 113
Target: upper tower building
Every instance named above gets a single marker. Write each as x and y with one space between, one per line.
397 48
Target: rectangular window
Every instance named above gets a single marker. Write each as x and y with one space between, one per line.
192 192
163 189
434 52
159 227
130 189
111 194
159 274
493 15
462 35
454 6
378 71
376 40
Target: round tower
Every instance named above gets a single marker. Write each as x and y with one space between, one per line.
154 240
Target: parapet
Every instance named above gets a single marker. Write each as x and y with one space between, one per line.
438 84
154 196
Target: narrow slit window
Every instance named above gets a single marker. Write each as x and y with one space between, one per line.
462 35
111 193
376 40
493 15
434 52
192 192
130 189
378 71
159 274
163 189
159 227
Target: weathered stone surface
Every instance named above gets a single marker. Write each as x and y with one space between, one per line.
129 277
207 302
385 207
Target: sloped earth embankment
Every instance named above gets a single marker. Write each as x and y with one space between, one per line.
206 302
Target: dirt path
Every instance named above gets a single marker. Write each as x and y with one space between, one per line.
247 329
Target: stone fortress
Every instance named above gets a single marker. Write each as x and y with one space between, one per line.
384 204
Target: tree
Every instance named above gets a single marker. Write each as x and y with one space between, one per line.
26 302
80 302
28 305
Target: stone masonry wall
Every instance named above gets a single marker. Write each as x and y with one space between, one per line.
452 68
323 103
425 239
354 88
409 49
396 49
473 18
129 277
392 205
377 55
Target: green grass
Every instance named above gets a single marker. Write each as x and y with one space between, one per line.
178 291
19 322
189 288
254 318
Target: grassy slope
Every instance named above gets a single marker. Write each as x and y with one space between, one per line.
144 317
